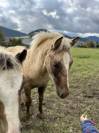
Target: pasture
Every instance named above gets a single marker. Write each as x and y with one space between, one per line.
62 116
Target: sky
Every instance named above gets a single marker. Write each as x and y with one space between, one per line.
80 16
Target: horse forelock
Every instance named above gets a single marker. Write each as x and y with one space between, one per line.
7 61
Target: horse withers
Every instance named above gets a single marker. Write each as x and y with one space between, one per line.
10 82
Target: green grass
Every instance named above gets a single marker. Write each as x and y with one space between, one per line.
62 116
85 61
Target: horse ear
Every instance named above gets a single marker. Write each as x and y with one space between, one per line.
74 40
57 43
21 56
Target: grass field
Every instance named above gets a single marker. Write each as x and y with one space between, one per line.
62 116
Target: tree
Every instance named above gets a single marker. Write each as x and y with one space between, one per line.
15 42
1 38
90 44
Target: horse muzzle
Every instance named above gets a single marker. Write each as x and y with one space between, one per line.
62 93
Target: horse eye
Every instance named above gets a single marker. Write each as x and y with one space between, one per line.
57 65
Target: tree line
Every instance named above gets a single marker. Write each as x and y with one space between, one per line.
89 44
10 42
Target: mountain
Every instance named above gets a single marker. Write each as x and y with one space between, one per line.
45 30
11 33
90 38
32 33
83 37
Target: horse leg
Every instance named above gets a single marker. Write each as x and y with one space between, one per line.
28 101
41 95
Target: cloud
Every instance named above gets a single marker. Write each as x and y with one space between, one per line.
4 3
53 14
70 15
88 34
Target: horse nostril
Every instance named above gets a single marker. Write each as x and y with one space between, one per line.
22 104
64 95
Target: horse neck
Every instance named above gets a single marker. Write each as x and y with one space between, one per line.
34 63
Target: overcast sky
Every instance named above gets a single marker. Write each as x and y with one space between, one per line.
70 15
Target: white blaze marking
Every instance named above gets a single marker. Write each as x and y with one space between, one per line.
66 60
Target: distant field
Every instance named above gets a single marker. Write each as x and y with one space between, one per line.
62 116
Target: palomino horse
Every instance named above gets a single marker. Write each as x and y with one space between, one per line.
10 82
48 57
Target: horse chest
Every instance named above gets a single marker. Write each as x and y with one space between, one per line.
36 81
42 79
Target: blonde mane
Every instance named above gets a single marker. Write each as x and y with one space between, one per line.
41 37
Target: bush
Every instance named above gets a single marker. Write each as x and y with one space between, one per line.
90 44
15 42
